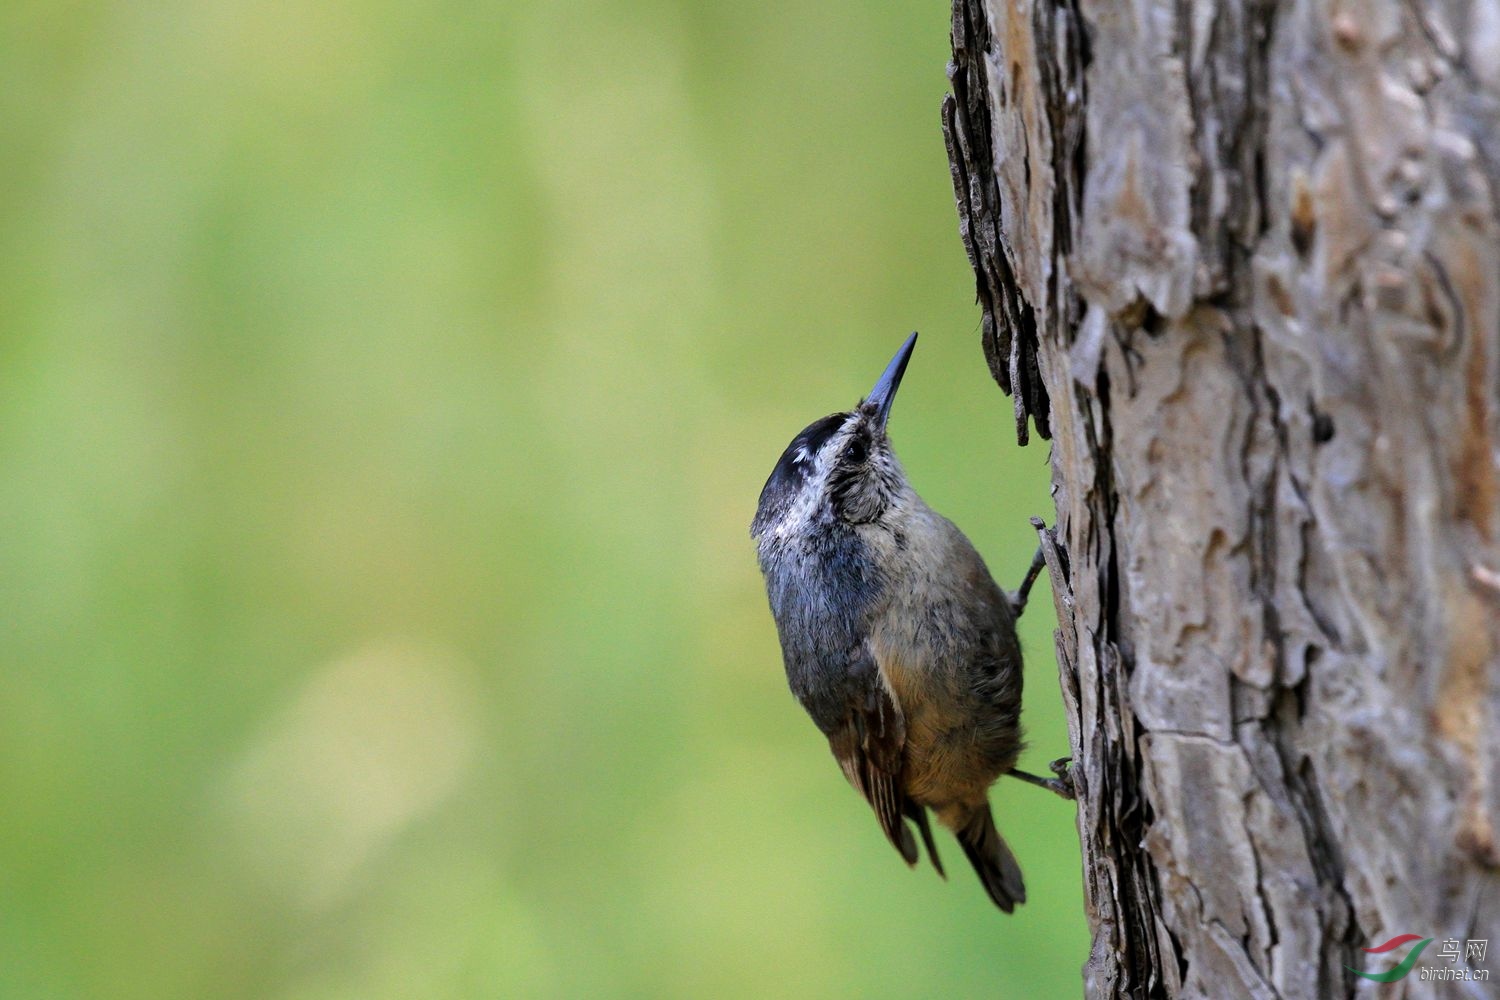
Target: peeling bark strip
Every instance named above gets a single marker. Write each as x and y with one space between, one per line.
989 189
1241 260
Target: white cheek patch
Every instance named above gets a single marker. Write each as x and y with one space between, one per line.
792 522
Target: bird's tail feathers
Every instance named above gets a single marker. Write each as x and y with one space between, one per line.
918 815
991 858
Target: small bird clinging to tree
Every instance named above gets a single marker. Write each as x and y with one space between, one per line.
896 640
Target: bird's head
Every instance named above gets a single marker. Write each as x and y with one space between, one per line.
838 469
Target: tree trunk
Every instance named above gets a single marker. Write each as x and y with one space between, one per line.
1239 261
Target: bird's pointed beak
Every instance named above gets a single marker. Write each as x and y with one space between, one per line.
884 394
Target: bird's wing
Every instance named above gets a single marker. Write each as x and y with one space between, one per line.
869 743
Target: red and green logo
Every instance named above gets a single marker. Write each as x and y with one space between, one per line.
1399 972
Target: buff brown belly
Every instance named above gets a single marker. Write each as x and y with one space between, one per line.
950 758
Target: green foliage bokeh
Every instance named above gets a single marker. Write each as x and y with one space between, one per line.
387 388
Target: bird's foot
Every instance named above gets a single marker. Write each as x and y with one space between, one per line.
1018 597
1061 785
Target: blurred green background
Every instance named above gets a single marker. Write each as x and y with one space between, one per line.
387 388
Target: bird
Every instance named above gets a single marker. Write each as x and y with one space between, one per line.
895 638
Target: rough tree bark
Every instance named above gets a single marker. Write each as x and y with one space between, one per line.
1239 261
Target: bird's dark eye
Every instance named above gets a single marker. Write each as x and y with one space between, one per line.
858 451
